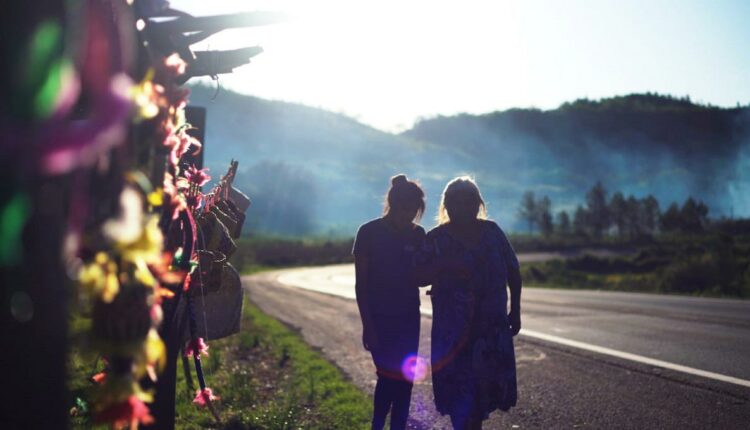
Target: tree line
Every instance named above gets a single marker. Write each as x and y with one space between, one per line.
618 215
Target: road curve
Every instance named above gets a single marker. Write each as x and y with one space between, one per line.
561 385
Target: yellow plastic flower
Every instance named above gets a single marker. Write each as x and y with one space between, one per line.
143 274
100 277
146 96
156 352
156 198
147 247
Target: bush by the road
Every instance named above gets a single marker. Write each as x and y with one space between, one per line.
258 253
712 266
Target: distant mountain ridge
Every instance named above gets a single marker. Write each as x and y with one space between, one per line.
316 172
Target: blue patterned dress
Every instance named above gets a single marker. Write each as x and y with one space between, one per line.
473 362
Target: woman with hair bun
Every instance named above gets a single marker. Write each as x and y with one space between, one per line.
473 362
388 296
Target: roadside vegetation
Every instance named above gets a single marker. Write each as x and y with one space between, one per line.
713 265
272 252
679 250
268 378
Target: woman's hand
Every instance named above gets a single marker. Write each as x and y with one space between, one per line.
369 338
515 321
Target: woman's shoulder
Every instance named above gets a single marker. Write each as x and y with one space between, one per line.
488 223
437 230
369 229
419 230
373 223
493 227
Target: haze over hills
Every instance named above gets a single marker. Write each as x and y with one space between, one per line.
311 171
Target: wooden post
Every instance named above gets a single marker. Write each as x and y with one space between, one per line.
34 316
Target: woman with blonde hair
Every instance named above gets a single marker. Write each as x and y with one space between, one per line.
473 362
388 297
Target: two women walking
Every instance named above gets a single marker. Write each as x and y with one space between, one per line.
469 263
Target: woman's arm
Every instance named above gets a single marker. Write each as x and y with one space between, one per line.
425 274
361 268
514 282
431 265
513 269
428 274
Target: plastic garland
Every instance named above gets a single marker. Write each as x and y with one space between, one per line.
129 279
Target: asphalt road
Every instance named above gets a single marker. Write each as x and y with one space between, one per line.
585 359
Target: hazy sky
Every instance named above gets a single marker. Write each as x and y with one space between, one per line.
389 62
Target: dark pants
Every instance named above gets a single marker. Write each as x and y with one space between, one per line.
398 339
393 395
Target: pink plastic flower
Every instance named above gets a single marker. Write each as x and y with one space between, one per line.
196 347
130 412
175 65
203 397
197 176
99 378
180 142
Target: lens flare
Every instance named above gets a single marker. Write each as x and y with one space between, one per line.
415 368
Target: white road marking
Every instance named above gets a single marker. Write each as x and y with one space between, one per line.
635 357
623 355
300 279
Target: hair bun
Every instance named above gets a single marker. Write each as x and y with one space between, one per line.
399 180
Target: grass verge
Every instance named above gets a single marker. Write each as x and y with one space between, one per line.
267 378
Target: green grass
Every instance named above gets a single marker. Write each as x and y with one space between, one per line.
267 378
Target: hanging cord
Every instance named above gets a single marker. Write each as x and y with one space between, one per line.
202 240
197 359
186 371
200 244
189 245
218 87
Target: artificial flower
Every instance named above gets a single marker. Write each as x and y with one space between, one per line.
180 142
156 198
187 282
99 378
177 201
175 64
196 176
147 247
132 412
196 348
148 96
70 144
100 277
204 396
166 275
156 351
128 226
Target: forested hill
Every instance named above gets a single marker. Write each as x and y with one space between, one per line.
313 171
646 121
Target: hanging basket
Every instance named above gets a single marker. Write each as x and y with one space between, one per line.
208 280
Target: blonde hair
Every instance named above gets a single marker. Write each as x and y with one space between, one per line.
461 184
